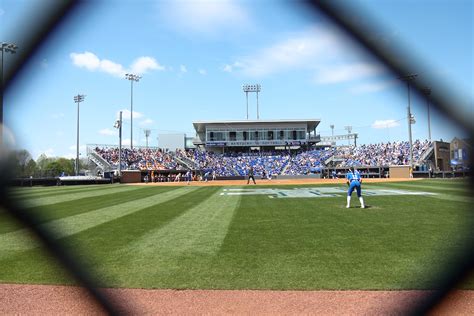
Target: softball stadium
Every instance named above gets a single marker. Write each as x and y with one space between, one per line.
185 233
244 216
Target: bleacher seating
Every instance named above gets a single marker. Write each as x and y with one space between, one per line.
269 163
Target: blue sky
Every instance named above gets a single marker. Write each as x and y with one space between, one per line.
194 57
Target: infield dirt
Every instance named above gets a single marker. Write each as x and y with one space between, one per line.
310 181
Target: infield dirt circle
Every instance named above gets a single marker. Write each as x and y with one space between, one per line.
69 300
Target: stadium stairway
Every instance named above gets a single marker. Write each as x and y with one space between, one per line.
100 162
184 161
426 155
286 166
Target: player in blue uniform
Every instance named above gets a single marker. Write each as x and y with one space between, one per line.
354 181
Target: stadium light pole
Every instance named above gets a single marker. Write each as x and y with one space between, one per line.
147 134
78 99
349 130
252 88
247 97
132 78
258 90
332 129
427 92
118 124
410 117
7 48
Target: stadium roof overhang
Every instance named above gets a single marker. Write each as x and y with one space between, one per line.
200 126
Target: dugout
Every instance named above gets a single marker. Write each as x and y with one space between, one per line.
131 176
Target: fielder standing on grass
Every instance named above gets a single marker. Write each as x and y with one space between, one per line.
251 175
354 181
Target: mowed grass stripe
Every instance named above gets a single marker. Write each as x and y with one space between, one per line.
61 190
442 193
64 227
56 211
44 190
75 196
433 187
134 226
200 230
319 244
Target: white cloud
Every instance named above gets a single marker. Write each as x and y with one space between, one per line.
183 68
322 51
306 49
371 87
146 122
385 124
205 17
92 62
227 68
86 60
202 72
112 68
126 115
143 64
108 132
126 142
348 72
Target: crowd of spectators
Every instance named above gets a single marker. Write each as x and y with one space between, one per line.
267 164
306 162
381 154
139 158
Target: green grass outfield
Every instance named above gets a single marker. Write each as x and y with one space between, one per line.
202 238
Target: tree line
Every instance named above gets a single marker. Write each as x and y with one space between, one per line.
24 166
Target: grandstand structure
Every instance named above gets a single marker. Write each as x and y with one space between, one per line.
262 135
274 148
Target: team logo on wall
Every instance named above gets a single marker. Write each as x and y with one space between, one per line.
316 192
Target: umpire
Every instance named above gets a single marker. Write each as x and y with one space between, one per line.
251 175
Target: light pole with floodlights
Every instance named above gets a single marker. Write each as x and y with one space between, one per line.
147 134
252 88
7 48
78 99
410 117
132 78
349 130
427 92
118 124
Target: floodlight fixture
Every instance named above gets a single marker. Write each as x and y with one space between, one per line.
132 78
7 48
78 99
251 88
